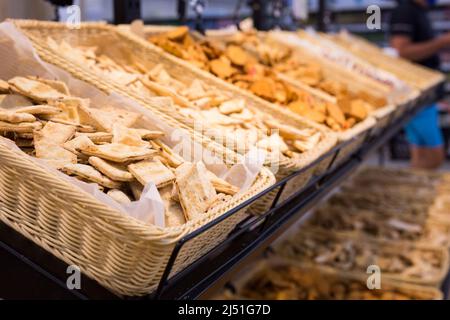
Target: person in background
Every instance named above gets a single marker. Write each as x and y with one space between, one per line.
411 34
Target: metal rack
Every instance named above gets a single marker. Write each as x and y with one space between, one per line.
29 264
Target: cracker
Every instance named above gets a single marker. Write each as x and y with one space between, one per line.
42 109
14 117
195 191
54 154
104 119
89 173
55 133
35 90
177 33
127 136
173 212
309 144
289 132
150 134
195 90
221 185
119 196
97 137
221 68
119 152
48 144
92 118
24 127
55 84
111 170
236 55
165 91
232 106
152 171
77 143
79 127
174 160
69 109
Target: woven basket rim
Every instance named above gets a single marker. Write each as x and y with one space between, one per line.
146 231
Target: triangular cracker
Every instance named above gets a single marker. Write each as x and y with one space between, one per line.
34 89
127 136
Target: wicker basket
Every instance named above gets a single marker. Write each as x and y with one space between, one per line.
382 115
381 247
122 254
316 275
182 71
356 134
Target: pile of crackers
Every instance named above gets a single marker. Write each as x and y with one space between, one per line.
353 107
229 117
102 146
237 66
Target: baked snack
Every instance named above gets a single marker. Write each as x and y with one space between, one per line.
256 73
224 118
101 146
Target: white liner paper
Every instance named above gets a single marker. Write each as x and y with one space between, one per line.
22 60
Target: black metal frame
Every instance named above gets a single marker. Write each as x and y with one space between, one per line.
249 239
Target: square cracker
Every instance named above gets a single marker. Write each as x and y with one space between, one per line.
54 154
151 171
48 144
195 191
117 152
55 133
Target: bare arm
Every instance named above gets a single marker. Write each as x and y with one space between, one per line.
418 51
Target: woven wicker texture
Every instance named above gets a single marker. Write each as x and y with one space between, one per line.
120 253
96 33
